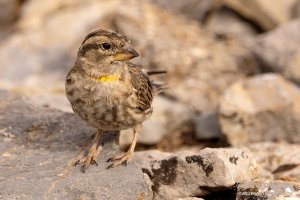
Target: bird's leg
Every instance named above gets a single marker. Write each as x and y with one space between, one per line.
94 151
125 157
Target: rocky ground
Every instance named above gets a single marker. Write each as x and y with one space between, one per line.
227 127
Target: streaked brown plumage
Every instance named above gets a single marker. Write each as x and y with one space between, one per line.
107 90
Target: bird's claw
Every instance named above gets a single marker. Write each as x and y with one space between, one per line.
124 163
85 163
110 166
94 162
76 163
119 160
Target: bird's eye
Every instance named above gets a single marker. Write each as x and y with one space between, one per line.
105 46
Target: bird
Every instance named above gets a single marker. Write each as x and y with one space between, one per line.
108 91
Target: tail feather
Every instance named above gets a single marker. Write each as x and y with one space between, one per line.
158 87
150 73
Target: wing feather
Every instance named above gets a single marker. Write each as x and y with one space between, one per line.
142 87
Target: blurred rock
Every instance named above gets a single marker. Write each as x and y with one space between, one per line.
38 148
167 117
185 174
207 126
226 22
279 50
39 55
199 66
274 190
267 14
212 14
283 160
57 101
9 12
194 9
296 9
261 108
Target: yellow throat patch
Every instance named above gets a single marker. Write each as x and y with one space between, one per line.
110 78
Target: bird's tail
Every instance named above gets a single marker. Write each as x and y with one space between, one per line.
158 87
150 73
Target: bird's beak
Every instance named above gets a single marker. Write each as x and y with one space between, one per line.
126 53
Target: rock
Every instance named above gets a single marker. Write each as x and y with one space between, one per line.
267 14
211 14
38 148
261 108
296 10
280 159
225 22
186 174
167 117
57 101
194 9
37 59
275 190
207 126
278 50
9 12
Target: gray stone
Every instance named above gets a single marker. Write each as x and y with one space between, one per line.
37 59
38 148
296 10
9 11
207 126
261 108
267 14
280 159
278 50
186 174
224 22
274 190
194 9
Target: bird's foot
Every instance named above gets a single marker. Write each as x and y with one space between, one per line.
120 160
88 160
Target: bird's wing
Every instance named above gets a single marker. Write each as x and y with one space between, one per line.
142 87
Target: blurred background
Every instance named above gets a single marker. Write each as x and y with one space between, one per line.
233 65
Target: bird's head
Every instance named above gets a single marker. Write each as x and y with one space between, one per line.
104 47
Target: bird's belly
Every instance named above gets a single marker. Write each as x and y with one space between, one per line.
116 117
108 109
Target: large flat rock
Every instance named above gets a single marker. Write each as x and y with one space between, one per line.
38 148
